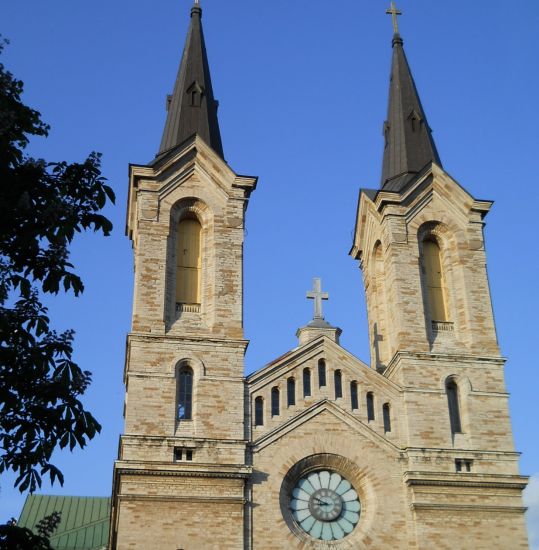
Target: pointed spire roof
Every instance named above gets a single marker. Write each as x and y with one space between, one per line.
409 145
192 108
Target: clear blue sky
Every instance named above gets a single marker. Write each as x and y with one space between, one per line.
302 87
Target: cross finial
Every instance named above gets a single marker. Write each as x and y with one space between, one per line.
394 12
196 8
317 295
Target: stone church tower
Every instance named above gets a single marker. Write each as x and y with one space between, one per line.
317 449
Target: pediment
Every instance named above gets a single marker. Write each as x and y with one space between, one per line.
175 167
322 347
319 413
432 184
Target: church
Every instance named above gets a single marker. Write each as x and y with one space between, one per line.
316 450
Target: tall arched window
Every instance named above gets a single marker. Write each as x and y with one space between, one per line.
321 373
337 377
306 382
188 261
275 405
259 411
354 401
370 406
434 280
387 418
452 392
291 391
185 393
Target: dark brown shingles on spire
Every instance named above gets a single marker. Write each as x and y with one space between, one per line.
409 146
192 108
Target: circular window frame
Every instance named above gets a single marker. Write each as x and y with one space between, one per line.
314 463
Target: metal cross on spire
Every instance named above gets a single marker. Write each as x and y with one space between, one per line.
394 12
317 295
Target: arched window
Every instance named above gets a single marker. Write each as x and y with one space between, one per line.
434 280
306 382
370 406
259 411
185 393
387 418
337 377
291 391
275 405
321 373
452 391
354 401
188 261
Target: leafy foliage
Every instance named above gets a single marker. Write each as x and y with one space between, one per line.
13 537
43 205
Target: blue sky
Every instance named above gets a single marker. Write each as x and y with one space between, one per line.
302 87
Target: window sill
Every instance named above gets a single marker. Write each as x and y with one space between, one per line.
442 326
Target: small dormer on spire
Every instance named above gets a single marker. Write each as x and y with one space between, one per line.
192 109
409 146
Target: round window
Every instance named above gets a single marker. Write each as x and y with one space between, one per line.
325 505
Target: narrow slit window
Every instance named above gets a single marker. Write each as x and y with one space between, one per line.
354 401
306 382
452 392
387 418
259 411
434 280
370 406
291 392
185 393
188 262
321 373
338 384
275 405
463 465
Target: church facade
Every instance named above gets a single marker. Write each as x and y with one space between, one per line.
317 449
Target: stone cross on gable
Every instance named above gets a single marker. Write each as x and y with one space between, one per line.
317 295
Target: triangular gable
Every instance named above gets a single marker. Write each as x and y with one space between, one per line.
279 368
177 165
305 416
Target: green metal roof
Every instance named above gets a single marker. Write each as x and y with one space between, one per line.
84 525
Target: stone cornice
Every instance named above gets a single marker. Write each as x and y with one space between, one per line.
469 508
174 440
451 452
240 471
394 364
247 183
203 339
161 498
443 479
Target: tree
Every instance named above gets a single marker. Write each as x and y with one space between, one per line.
42 206
13 537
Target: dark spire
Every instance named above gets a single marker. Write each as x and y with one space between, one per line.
409 146
192 107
